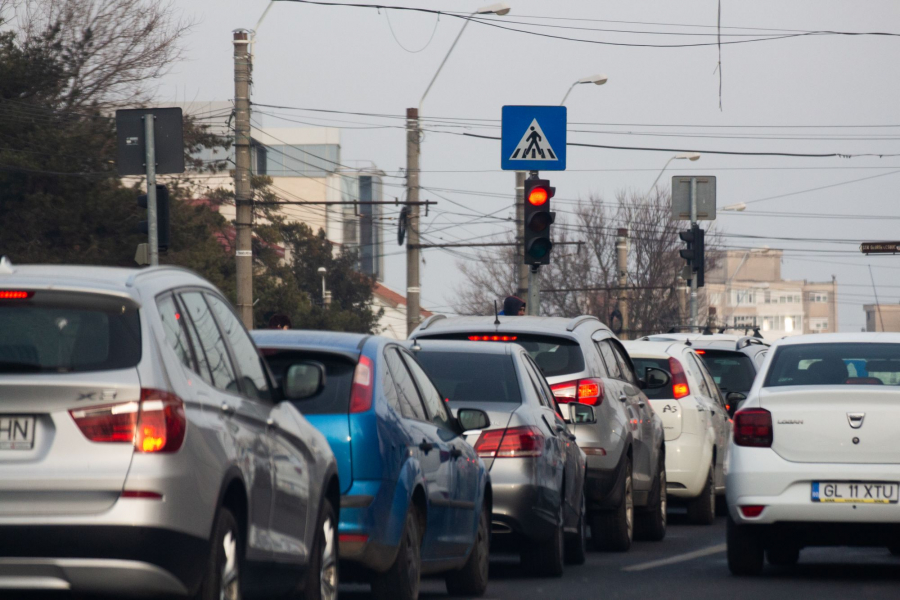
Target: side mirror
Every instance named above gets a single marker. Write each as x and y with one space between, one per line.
733 400
655 378
303 380
581 414
472 419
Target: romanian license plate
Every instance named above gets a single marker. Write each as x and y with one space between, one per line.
860 492
16 433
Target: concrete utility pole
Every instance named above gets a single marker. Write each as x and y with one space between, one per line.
622 265
242 192
693 275
522 279
412 241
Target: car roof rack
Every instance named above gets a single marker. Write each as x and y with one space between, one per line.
748 340
430 320
579 320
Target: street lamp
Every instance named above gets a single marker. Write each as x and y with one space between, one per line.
739 207
321 271
595 79
691 156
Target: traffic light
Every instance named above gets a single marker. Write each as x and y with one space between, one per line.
695 253
538 218
162 216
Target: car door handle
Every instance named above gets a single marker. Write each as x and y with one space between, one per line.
426 446
271 425
227 409
455 452
623 398
642 404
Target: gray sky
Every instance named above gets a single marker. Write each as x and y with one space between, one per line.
347 59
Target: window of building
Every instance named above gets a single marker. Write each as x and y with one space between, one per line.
818 297
818 325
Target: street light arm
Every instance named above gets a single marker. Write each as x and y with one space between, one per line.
660 175
443 62
258 23
572 87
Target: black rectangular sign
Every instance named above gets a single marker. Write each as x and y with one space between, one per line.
168 134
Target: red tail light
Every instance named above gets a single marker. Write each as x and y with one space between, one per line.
361 393
493 338
700 351
585 391
155 424
680 387
753 427
15 294
515 442
751 511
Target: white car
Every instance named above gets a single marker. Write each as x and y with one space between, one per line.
815 458
695 423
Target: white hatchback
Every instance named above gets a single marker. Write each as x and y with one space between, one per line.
695 422
815 458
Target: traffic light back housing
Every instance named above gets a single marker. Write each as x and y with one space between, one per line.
163 228
538 219
695 253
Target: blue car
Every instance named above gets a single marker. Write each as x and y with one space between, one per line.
415 497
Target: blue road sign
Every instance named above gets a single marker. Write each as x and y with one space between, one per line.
533 138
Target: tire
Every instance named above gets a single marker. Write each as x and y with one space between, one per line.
651 524
783 556
745 549
222 577
401 580
546 559
322 577
702 509
472 579
576 545
614 530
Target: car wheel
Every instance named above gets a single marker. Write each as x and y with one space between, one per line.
472 579
745 549
222 579
576 545
651 524
401 580
783 556
702 509
614 530
322 577
547 558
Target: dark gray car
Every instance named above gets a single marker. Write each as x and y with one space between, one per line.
536 467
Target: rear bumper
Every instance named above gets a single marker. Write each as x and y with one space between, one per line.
603 487
374 517
133 561
522 511
687 464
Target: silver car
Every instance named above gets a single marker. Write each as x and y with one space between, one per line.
585 363
537 469
143 447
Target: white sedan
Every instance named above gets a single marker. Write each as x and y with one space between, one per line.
815 458
695 424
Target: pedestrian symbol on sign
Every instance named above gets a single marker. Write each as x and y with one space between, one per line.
533 145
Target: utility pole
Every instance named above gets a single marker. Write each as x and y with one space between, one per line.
622 263
522 278
412 198
242 191
693 275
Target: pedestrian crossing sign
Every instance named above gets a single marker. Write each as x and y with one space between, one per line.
533 138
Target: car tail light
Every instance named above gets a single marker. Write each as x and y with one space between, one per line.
515 442
753 427
752 511
141 494
353 538
155 424
361 392
585 391
680 387
15 295
493 338
700 351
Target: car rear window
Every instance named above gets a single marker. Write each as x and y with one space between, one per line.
472 377
640 364
334 398
835 364
554 355
732 371
66 332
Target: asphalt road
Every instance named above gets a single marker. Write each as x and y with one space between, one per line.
690 564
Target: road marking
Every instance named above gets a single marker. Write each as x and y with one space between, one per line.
677 559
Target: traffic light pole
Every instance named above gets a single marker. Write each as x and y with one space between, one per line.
533 303
694 274
150 165
522 269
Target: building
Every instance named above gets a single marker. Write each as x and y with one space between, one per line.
744 290
882 317
393 322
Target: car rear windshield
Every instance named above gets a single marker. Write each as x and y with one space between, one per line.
66 332
554 355
334 397
732 371
835 364
641 364
472 377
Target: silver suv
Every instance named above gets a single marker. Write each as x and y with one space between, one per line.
143 447
584 362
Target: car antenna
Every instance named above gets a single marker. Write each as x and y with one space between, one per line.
496 314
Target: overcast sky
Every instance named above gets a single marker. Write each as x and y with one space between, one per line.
347 59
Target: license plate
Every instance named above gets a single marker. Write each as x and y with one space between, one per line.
860 492
16 433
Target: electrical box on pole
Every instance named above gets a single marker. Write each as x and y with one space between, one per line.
162 216
537 244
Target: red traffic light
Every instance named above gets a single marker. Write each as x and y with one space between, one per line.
538 196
